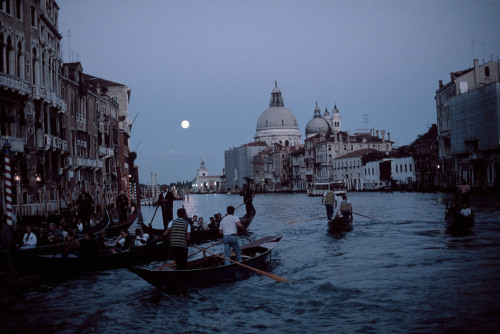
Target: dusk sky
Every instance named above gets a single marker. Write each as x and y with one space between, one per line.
214 63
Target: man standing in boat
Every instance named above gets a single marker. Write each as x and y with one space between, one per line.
247 194
166 200
179 232
122 202
329 200
229 230
84 203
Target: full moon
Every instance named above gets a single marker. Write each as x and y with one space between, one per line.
185 124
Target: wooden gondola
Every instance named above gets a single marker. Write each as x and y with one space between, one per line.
114 228
210 269
456 222
198 236
338 224
56 264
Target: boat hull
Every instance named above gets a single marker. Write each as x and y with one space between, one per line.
338 224
210 270
455 222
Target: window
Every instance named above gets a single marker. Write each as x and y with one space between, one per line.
19 10
486 71
33 16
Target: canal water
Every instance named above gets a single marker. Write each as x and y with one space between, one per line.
401 273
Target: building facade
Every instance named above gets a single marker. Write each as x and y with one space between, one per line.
468 115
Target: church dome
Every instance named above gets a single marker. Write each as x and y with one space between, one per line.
317 124
276 116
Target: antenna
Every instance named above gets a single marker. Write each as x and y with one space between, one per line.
483 51
472 45
365 120
69 46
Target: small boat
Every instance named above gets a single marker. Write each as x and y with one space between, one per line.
198 236
456 222
56 264
210 269
338 224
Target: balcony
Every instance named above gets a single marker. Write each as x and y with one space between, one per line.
88 163
55 143
15 84
40 93
106 152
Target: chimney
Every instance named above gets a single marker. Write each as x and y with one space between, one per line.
441 84
383 135
388 136
377 133
452 75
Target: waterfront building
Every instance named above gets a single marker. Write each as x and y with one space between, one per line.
468 114
298 168
398 172
204 182
31 108
277 124
272 170
238 162
349 168
425 150
66 129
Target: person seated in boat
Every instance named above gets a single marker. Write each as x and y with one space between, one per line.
465 211
71 245
63 232
193 222
93 221
124 240
140 238
212 225
201 224
41 237
218 219
29 239
79 225
102 243
345 209
54 234
89 245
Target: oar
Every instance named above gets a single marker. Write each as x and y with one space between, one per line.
154 214
171 263
243 203
305 220
367 216
262 272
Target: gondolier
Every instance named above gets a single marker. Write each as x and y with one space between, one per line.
179 231
329 200
229 229
247 194
166 200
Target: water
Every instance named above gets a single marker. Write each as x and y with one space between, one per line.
402 274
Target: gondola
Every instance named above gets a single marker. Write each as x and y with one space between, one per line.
208 270
338 224
57 264
114 228
198 236
456 222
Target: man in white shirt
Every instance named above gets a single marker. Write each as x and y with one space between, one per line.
229 230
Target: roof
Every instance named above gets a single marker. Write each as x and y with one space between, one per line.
358 153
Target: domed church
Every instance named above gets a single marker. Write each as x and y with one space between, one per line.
277 124
326 124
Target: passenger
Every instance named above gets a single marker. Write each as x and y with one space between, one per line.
29 239
465 211
201 224
79 225
193 222
102 243
212 223
346 209
63 232
93 221
124 240
54 234
71 245
41 237
140 238
89 246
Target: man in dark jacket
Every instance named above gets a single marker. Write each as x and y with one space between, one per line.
166 200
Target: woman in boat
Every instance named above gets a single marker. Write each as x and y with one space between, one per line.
124 240
140 238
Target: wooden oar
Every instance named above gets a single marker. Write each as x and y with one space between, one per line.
367 216
305 220
262 272
171 263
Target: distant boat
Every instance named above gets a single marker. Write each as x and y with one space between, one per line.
319 188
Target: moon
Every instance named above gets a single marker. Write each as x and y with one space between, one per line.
185 124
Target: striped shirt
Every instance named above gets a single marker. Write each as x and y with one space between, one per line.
179 229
